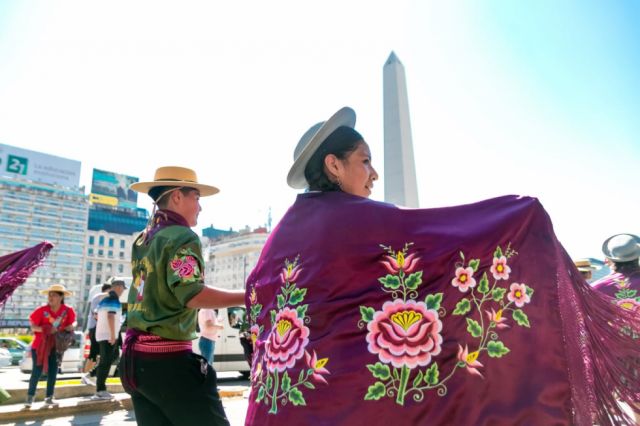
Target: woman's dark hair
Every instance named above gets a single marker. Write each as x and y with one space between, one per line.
342 142
157 191
625 266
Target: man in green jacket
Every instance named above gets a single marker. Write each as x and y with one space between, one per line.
168 383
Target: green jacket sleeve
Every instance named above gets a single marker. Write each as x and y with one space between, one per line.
185 271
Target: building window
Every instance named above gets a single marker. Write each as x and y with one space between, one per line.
98 267
101 240
87 280
92 240
110 242
122 243
90 252
121 255
109 267
89 266
98 279
100 252
120 269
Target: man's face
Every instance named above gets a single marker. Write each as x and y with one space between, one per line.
118 289
188 206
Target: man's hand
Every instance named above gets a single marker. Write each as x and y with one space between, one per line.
112 340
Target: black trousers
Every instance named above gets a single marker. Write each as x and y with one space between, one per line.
174 390
108 353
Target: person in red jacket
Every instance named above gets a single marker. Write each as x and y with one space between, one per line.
46 321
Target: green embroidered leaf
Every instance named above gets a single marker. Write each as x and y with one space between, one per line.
521 318
309 385
626 293
390 281
280 299
474 263
432 376
261 394
462 256
296 398
255 310
483 286
433 301
395 374
375 392
286 382
414 280
367 313
269 382
297 296
418 379
462 307
302 310
273 316
498 293
380 371
497 349
301 375
529 292
498 252
474 328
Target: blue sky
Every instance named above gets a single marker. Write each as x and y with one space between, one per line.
535 98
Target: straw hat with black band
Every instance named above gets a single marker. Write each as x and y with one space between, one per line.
58 288
175 177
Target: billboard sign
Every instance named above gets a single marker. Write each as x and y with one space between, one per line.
38 167
112 189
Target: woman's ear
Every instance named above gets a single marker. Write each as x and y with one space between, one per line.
331 167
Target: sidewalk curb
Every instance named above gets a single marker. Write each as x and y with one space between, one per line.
70 406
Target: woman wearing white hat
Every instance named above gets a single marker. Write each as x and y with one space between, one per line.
46 321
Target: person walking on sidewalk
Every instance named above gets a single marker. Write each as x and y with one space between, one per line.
210 326
94 349
107 330
46 321
168 383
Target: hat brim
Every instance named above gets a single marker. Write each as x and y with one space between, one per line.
49 290
632 256
344 117
144 187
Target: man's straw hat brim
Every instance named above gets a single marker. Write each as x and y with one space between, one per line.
175 176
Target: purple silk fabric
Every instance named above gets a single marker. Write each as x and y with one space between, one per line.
16 267
328 307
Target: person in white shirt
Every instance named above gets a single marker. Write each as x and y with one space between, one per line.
210 326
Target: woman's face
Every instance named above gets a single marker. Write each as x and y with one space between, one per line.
54 298
355 174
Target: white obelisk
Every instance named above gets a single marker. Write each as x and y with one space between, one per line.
400 186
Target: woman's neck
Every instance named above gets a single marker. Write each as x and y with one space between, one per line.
55 307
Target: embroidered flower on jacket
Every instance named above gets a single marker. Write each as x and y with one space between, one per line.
405 333
497 318
185 267
629 304
518 294
464 279
470 360
290 273
317 365
287 341
394 264
500 269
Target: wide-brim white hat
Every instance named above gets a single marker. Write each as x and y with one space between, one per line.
622 247
311 141
58 288
175 176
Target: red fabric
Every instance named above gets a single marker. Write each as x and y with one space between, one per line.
44 316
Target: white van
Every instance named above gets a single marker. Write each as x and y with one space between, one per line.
229 355
72 359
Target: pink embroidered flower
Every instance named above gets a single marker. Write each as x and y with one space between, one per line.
497 318
176 264
629 304
405 333
254 331
286 342
395 264
190 260
518 294
290 274
317 365
500 269
464 279
186 270
470 360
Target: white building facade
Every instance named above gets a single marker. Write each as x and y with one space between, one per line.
230 260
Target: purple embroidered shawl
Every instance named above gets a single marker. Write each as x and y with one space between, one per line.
16 267
364 313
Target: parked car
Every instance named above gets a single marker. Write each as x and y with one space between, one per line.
229 355
15 347
72 359
5 357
